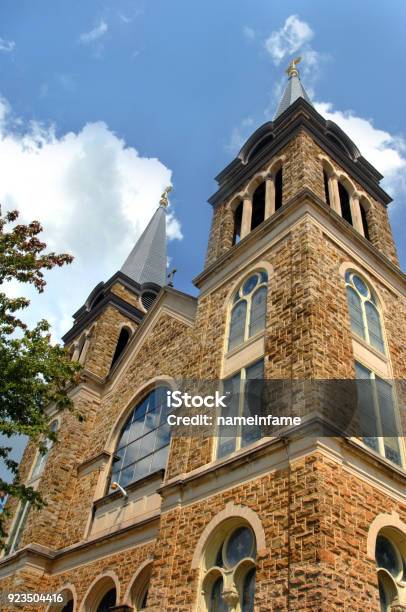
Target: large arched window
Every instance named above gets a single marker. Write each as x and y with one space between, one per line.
258 205
364 314
144 442
390 555
229 570
248 312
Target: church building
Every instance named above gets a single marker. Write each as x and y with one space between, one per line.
301 282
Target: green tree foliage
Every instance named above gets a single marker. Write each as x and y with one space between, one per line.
34 374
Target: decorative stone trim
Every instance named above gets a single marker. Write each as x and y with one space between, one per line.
229 512
379 522
96 589
141 568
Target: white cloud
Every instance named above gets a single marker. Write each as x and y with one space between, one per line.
7 45
95 34
386 152
93 194
293 35
294 38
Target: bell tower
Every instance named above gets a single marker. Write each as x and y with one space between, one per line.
299 154
114 309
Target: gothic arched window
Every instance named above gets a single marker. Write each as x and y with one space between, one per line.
326 188
121 344
108 601
377 414
390 555
42 457
237 223
140 588
144 442
229 570
345 203
364 220
258 205
364 314
278 189
248 312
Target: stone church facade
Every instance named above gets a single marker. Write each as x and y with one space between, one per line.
301 281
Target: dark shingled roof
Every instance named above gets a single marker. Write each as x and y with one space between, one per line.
294 90
147 261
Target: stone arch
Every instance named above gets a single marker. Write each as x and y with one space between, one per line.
136 584
327 165
275 165
65 588
99 586
125 333
347 182
365 211
230 512
262 264
234 202
381 522
254 183
350 265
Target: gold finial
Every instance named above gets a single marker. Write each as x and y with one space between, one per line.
164 197
291 69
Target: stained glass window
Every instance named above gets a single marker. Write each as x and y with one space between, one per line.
144 442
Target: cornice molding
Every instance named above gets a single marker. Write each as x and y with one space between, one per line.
299 116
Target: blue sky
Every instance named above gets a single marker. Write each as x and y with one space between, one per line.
103 103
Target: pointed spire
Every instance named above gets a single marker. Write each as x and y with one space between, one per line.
294 89
147 261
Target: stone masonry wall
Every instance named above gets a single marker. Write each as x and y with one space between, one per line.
316 518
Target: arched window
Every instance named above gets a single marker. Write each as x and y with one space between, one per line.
144 442
278 189
68 607
140 588
364 314
18 528
42 457
68 603
377 414
258 205
245 391
229 570
121 344
364 220
326 188
237 223
390 555
108 601
345 203
249 309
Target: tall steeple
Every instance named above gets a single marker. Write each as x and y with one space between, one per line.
294 89
147 261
